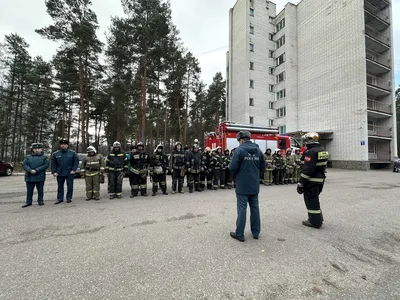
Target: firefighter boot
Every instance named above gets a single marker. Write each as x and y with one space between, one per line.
143 192
164 190
198 189
155 189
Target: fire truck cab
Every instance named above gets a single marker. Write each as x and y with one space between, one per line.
266 137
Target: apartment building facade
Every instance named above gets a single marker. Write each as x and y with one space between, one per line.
325 66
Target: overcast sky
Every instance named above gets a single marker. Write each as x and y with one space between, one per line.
203 26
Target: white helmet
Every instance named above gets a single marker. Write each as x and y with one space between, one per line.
310 138
117 144
158 147
91 149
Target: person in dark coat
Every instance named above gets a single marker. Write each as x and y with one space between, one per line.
35 166
64 163
312 178
246 166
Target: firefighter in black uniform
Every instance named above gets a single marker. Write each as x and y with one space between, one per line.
312 178
194 166
178 168
140 161
158 170
228 174
204 170
116 163
279 164
209 170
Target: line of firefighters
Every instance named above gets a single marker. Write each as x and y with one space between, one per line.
204 169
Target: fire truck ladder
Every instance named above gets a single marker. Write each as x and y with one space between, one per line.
252 128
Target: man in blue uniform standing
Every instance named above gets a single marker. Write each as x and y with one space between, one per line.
246 166
64 163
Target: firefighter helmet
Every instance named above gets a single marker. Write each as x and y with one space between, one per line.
208 149
116 144
140 144
243 135
91 149
178 143
289 150
310 138
158 147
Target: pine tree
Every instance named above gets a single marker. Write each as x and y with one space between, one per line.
150 28
18 63
215 109
75 25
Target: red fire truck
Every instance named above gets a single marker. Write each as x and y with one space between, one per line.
266 137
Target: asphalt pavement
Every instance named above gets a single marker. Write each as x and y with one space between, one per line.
178 246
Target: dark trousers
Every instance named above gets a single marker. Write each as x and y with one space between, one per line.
114 183
228 178
278 176
203 176
30 186
210 177
70 186
219 178
194 181
138 182
255 223
177 179
159 179
311 199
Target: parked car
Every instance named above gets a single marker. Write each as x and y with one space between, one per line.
6 168
81 157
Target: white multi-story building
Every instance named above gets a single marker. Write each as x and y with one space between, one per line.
325 66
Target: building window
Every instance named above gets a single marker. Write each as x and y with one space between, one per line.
251 47
251 101
252 84
271 88
271 122
281 94
271 71
271 36
271 53
251 65
251 29
281 59
280 25
271 105
280 77
251 120
372 148
280 42
281 112
282 129
372 126
251 11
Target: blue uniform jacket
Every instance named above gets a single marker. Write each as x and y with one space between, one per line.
63 162
37 162
246 164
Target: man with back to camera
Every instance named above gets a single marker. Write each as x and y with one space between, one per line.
312 178
246 165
